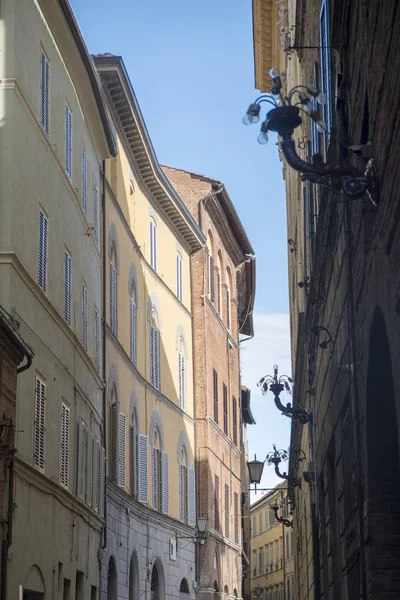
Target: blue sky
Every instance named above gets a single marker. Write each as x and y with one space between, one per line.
191 65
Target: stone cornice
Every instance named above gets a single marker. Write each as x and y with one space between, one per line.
265 40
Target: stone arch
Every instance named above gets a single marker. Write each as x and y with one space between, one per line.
216 586
155 423
182 442
210 242
113 244
34 581
112 579
134 581
134 410
180 335
153 304
113 384
226 590
184 587
157 581
235 594
133 283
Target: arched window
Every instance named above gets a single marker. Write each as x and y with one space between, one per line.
154 349
134 591
182 374
112 580
184 587
117 433
156 460
218 282
153 244
228 298
179 275
210 266
132 323
113 290
183 486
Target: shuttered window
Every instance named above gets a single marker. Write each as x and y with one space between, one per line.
191 492
142 468
212 279
179 283
89 469
84 181
113 298
102 486
114 442
164 483
42 251
68 141
236 516
84 317
155 357
225 398
182 381
122 450
82 461
44 93
67 287
217 525
97 340
132 330
227 511
215 391
183 493
134 459
96 475
153 244
218 290
234 420
64 470
156 468
228 308
326 65
39 425
96 226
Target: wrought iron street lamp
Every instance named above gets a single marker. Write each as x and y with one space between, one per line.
258 591
277 384
201 533
275 507
275 458
285 117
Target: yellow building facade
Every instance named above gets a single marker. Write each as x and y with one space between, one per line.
149 237
272 562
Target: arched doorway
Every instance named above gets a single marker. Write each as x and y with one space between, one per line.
383 482
33 586
112 579
134 578
157 582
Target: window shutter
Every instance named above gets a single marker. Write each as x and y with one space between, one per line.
191 487
44 93
96 475
153 245
227 515
82 454
152 378
97 340
42 251
102 486
96 215
181 493
68 141
84 317
39 429
212 280
234 420
215 384
64 472
179 282
155 357
142 470
165 483
84 180
218 291
113 298
228 309
154 477
225 400
133 331
182 382
326 77
67 287
122 450
114 443
236 516
89 470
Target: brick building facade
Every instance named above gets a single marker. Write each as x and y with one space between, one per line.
345 323
223 285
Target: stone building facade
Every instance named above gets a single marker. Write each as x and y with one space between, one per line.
223 286
345 323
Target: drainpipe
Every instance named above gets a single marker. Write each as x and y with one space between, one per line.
104 255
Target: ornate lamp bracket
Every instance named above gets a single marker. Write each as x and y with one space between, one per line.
275 458
277 384
275 507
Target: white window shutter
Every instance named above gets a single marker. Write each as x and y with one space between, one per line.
181 493
191 486
157 358
179 282
42 251
89 469
113 298
122 450
96 475
180 379
183 383
39 429
96 215
84 180
67 287
153 245
133 331
64 470
97 340
114 443
165 483
81 471
44 93
102 486
155 476
68 141
142 468
84 317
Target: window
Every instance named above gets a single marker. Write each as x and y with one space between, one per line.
39 424
266 558
154 357
217 525
271 555
44 93
182 375
183 487
113 295
134 452
84 180
118 445
227 510
217 272
254 525
160 476
42 251
326 78
82 461
260 562
64 471
97 340
234 420
132 326
260 522
228 308
272 518
84 317
153 244
276 553
68 141
225 399
96 215
215 387
67 287
212 279
179 283
236 516
142 468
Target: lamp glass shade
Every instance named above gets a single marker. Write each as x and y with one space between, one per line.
202 523
3 431
256 468
258 591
